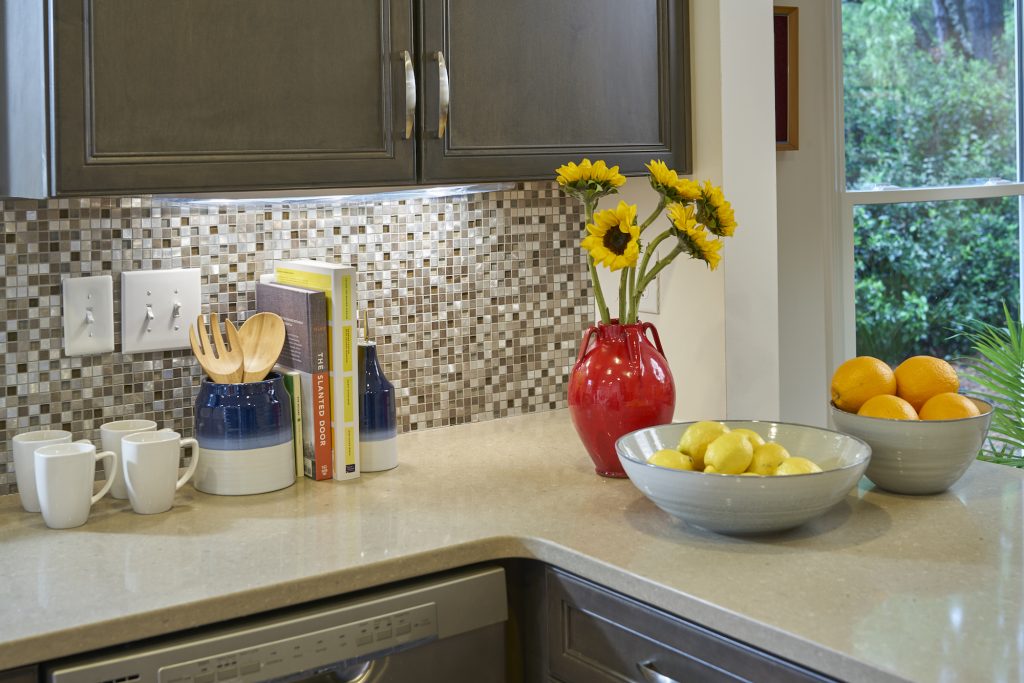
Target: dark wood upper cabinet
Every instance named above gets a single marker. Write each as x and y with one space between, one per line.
532 84
154 96
150 95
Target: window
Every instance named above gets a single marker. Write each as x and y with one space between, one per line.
932 170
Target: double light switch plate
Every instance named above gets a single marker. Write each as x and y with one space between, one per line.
157 307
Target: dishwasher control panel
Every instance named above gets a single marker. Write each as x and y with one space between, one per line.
378 636
294 644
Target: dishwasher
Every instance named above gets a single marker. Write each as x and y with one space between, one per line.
450 628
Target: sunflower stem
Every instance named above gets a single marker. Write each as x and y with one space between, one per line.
654 214
631 312
623 282
638 287
659 266
589 205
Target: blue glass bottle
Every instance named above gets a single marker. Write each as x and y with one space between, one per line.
378 425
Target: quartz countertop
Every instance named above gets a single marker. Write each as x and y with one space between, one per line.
882 587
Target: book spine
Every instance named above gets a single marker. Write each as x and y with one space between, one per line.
323 452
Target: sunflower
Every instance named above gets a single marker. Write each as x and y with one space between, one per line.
715 212
614 239
693 236
667 183
579 176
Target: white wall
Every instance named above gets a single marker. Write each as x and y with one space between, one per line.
720 329
806 180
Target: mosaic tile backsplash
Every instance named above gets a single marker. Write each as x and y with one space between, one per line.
476 301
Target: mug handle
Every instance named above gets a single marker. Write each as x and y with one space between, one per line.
193 446
110 480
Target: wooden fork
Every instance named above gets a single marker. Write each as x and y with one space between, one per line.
224 365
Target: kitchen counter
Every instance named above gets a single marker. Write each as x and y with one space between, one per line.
883 587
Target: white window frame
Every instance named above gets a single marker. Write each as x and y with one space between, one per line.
842 340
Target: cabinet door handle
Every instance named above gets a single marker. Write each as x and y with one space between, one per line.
652 675
410 94
443 95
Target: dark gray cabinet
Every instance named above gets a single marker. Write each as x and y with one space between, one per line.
515 89
595 635
150 95
161 96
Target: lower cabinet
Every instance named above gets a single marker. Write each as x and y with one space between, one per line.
596 635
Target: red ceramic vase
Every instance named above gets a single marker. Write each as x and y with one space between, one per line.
620 383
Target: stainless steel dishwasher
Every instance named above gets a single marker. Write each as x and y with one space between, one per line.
448 629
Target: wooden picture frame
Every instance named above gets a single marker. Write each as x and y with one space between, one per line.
787 81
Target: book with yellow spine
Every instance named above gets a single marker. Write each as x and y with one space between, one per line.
338 282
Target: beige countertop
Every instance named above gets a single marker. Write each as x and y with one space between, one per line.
925 588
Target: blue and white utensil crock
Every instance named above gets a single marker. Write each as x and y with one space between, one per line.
245 437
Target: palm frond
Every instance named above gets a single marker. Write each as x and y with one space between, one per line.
999 370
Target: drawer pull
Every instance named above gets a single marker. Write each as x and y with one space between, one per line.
410 94
652 675
443 95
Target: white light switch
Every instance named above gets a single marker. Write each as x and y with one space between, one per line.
157 307
649 298
88 315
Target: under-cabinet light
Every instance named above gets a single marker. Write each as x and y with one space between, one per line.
339 196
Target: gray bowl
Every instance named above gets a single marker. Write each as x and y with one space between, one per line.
918 457
733 504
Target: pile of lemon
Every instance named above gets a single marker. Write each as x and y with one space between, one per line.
713 448
920 388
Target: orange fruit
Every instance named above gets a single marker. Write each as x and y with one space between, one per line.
948 406
858 379
889 407
921 377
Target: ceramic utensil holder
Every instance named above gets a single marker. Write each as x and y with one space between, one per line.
245 437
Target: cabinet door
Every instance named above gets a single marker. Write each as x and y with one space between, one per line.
532 84
595 635
156 96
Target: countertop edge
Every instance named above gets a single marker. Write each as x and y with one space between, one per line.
251 601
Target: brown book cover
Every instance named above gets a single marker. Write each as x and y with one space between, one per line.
304 312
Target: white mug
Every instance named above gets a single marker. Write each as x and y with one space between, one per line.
111 434
150 463
25 445
64 477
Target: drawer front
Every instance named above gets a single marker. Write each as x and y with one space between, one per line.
597 635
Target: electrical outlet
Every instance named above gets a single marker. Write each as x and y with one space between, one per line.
88 304
157 307
649 298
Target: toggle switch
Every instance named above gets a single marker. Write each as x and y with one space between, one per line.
154 304
88 315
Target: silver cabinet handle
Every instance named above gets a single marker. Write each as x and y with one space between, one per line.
410 94
652 675
443 95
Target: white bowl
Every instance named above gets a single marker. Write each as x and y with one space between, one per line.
733 504
918 456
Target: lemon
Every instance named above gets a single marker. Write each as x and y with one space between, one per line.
710 470
755 438
697 437
797 466
668 457
729 454
767 458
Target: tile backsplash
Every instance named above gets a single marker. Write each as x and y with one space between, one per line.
476 301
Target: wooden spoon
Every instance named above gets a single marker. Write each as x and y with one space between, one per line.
262 338
224 365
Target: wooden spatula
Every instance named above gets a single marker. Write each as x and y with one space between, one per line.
224 365
262 337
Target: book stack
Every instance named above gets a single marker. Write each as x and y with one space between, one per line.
305 353
338 285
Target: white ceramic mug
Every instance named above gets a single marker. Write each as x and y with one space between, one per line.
25 445
111 434
150 463
64 479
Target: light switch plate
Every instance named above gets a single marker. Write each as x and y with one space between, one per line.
649 299
157 307
88 310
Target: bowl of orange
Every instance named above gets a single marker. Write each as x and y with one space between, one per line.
923 433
